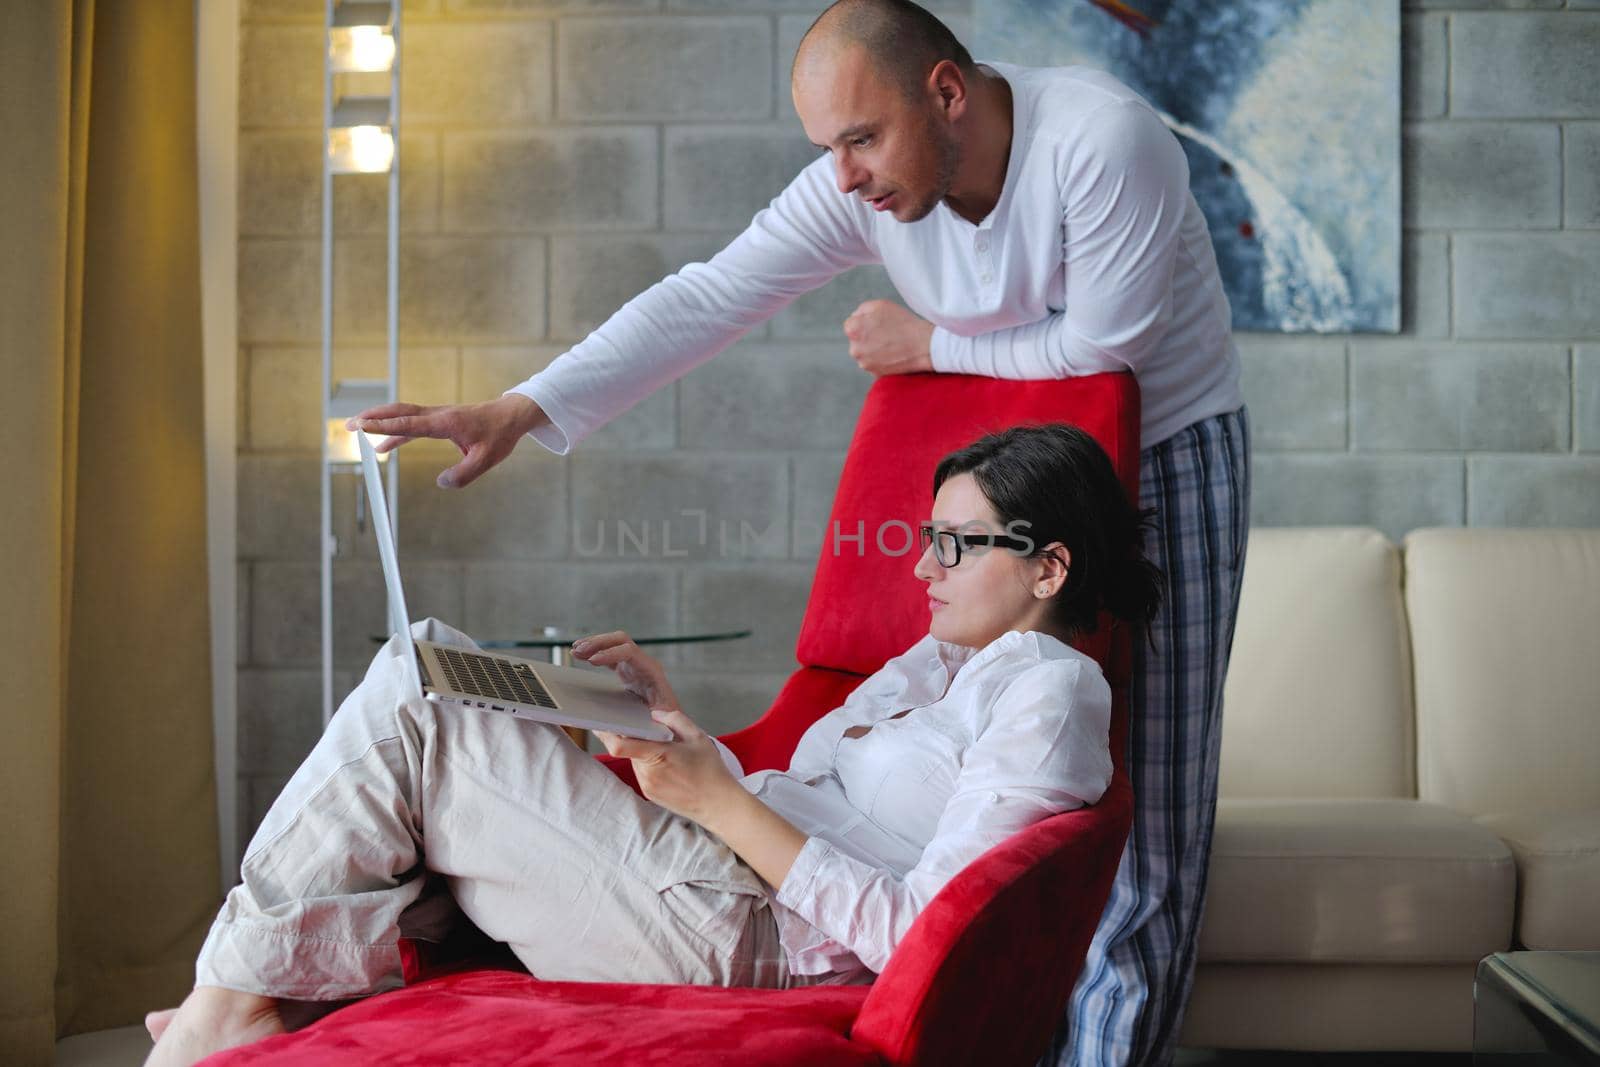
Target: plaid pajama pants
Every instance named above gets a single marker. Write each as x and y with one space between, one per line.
1128 1004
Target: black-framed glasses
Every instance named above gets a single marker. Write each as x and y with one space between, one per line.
949 543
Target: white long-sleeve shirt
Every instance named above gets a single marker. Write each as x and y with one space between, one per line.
1096 257
991 741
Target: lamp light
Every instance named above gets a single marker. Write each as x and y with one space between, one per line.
361 150
361 135
360 49
351 398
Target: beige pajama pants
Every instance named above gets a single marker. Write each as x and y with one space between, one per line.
537 843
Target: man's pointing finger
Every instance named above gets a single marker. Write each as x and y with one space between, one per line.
400 426
383 411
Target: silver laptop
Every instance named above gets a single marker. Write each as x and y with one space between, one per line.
586 697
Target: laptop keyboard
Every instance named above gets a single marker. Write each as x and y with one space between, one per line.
489 676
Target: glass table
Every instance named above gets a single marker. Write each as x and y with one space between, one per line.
556 643
1536 1008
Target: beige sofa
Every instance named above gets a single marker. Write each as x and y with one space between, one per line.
1410 782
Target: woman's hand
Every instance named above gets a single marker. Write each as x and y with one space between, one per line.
685 776
640 674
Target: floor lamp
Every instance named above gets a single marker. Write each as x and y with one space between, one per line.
360 135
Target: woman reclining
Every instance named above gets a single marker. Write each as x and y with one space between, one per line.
811 875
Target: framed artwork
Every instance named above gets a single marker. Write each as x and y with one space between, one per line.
1289 112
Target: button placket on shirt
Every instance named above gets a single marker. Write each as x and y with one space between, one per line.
981 243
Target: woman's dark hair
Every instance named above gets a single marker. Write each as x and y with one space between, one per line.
1059 482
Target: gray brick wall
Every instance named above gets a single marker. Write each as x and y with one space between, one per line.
561 155
1486 409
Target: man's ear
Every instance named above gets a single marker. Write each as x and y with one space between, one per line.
948 87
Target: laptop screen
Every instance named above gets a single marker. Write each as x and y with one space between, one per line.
399 618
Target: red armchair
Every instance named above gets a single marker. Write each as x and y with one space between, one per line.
984 973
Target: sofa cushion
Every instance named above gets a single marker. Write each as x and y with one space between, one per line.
1318 700
1354 881
1558 876
1503 624
1373 1007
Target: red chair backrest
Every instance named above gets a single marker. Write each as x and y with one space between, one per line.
865 606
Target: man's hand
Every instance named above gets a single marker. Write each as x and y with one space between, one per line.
484 433
885 338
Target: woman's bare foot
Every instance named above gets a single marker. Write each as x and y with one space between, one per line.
157 1022
209 1020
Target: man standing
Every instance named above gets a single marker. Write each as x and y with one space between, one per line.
1038 224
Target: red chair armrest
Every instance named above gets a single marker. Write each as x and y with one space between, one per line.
947 996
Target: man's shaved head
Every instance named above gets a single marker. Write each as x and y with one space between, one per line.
888 91
904 41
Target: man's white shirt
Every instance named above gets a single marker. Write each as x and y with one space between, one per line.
1095 258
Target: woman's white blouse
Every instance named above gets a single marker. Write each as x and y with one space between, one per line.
992 741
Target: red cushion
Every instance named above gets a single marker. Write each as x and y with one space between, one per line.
865 606
504 1018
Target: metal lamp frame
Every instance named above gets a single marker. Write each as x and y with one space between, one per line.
342 113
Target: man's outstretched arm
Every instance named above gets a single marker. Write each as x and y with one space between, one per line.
808 234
